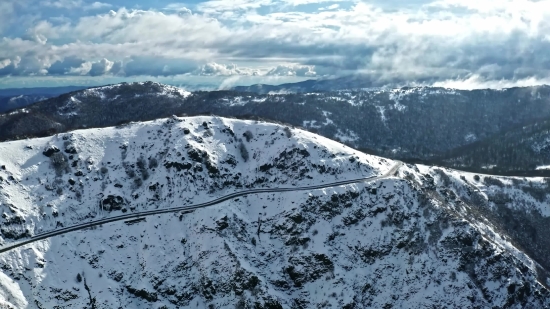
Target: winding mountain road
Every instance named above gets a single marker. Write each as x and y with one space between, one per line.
142 214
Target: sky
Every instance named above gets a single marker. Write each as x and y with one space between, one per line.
221 43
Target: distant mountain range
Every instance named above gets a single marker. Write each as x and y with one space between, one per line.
14 98
354 82
471 130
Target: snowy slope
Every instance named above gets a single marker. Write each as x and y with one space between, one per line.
390 243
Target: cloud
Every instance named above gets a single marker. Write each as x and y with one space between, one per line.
97 6
83 69
7 67
62 67
179 8
215 69
302 2
432 41
153 66
13 12
74 4
330 7
23 66
101 67
479 82
6 14
292 70
219 6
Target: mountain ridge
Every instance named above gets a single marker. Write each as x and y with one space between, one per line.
423 123
426 237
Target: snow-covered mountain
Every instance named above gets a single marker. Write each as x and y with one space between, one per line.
424 237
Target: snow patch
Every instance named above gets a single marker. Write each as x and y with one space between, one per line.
471 137
327 120
347 137
382 111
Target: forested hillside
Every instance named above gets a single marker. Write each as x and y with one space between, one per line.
408 123
522 149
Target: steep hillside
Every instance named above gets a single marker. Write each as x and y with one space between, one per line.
525 149
401 123
422 238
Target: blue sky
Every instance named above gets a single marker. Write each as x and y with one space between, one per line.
221 43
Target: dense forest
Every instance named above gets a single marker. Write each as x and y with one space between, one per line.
518 151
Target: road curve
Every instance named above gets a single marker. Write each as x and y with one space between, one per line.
81 226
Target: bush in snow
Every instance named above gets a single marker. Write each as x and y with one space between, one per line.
142 168
60 163
491 181
288 132
141 163
248 135
244 151
130 172
153 163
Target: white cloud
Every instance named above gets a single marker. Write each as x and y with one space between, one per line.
302 2
215 69
178 7
97 6
330 7
4 63
219 6
62 4
74 4
292 70
479 82
101 67
434 42
83 69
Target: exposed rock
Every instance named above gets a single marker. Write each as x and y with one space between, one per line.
50 150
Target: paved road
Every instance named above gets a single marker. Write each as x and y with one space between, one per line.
142 214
